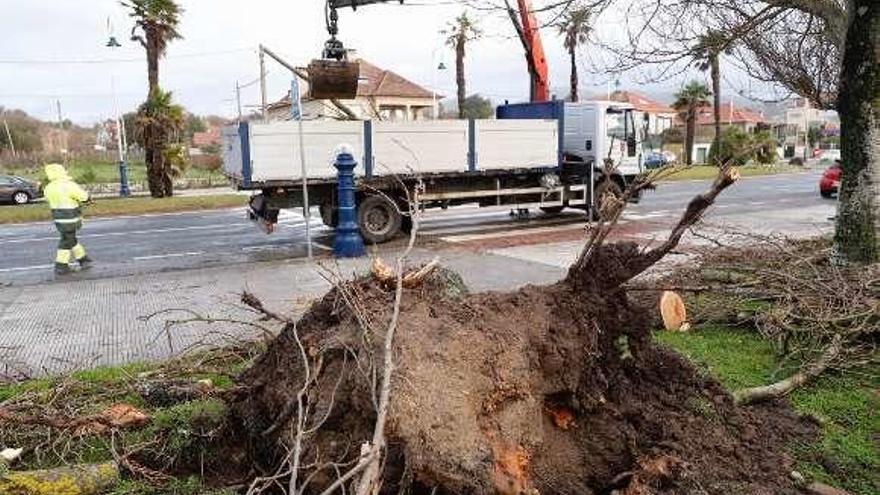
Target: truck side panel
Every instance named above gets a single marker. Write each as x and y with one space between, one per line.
422 147
275 148
506 144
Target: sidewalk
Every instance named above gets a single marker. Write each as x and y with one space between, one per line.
58 327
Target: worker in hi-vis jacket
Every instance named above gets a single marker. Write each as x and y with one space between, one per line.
65 198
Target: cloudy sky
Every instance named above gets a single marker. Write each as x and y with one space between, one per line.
55 50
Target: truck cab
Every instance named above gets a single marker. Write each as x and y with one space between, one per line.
591 132
597 131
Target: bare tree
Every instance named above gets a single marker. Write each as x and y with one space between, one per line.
825 51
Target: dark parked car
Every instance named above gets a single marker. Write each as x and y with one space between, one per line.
830 181
18 190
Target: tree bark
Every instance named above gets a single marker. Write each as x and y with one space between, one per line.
858 105
459 72
574 74
152 65
716 94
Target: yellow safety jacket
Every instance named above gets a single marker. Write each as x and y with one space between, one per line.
63 195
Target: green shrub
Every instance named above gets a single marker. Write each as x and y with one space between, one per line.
740 147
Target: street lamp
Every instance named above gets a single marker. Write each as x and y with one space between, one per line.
124 190
440 66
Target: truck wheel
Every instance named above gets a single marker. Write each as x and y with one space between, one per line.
552 210
329 214
608 188
378 219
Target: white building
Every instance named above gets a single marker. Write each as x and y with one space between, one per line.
382 95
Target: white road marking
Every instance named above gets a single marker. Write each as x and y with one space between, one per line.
25 268
172 255
132 232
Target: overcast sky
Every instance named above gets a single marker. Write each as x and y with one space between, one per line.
42 37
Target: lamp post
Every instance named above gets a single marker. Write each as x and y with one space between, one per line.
441 66
124 190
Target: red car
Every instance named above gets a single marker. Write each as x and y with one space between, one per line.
830 180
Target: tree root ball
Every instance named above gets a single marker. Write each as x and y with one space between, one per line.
554 390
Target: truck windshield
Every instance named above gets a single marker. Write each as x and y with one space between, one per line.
615 125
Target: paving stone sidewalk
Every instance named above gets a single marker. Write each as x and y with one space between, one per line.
58 327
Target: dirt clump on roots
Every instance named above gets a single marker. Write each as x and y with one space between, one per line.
555 389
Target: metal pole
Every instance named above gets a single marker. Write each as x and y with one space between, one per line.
9 137
296 113
238 99
124 190
263 83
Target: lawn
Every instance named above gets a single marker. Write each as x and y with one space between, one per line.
703 172
125 206
92 171
847 454
180 432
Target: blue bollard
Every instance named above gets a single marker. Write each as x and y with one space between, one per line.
348 242
124 191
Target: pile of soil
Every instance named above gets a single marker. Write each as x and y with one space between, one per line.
556 390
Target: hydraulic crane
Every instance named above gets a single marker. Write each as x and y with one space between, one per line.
333 76
531 38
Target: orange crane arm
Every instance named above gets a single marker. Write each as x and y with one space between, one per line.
540 85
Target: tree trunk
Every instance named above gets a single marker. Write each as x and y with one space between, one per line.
152 66
167 182
859 108
689 137
716 93
459 73
574 74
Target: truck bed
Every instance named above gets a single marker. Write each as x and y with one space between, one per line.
260 155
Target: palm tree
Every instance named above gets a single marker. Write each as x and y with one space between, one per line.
459 33
707 53
157 21
688 102
158 125
155 26
575 26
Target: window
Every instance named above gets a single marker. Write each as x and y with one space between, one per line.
6 181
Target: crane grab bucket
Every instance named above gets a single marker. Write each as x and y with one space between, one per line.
333 79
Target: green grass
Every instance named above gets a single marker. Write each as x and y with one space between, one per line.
125 206
91 171
847 453
699 172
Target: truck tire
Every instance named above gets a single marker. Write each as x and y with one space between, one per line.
604 189
379 219
329 214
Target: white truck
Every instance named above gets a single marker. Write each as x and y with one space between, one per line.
549 155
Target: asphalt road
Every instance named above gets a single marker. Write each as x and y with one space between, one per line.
142 244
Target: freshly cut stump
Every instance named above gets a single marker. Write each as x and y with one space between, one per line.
556 389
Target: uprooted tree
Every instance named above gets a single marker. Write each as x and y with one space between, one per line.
404 381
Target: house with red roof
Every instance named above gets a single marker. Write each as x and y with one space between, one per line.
744 119
382 95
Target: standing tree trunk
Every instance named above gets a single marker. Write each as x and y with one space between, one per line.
716 94
859 108
152 65
689 137
574 75
154 160
459 72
